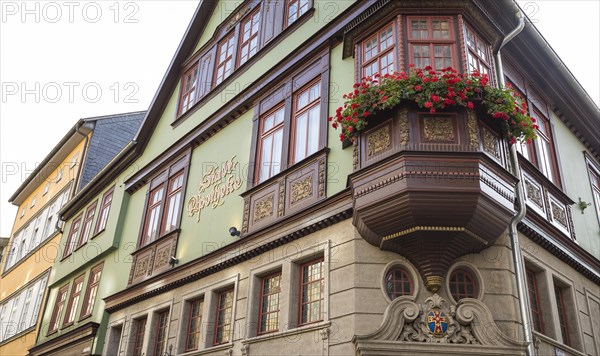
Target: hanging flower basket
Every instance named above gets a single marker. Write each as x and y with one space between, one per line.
433 91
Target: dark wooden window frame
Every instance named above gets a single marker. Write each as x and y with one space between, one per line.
469 279
296 113
72 239
72 304
59 304
298 14
107 199
160 335
138 335
191 319
534 295
163 179
377 58
261 311
489 64
406 277
90 214
88 299
431 41
270 133
190 74
228 58
271 27
321 300
241 43
284 95
562 315
594 176
548 138
219 310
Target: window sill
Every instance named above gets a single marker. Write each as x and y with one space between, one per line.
83 317
97 233
221 347
547 339
285 333
157 241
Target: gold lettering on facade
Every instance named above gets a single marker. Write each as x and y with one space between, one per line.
302 188
263 208
378 141
223 181
440 128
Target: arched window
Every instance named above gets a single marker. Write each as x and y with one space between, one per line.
398 283
463 284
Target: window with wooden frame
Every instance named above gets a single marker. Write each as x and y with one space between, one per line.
271 143
544 148
223 317
294 9
289 134
164 203
312 292
104 210
378 52
248 41
534 301
398 282
595 181
268 314
305 121
192 339
138 336
431 42
562 315
59 305
225 62
73 301
188 89
86 230
91 291
72 239
479 53
160 334
463 284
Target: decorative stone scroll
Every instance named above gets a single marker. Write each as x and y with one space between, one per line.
408 328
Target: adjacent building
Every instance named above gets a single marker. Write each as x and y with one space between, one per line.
236 222
33 247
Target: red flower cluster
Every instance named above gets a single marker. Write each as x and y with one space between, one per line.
433 90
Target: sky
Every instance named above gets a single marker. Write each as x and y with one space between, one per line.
65 60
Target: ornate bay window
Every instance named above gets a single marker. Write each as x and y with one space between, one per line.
289 151
479 53
162 217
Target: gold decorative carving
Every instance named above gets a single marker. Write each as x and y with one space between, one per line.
534 193
490 143
280 208
472 129
141 267
403 131
434 283
558 214
322 177
162 257
438 128
379 140
246 215
355 155
263 208
302 188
